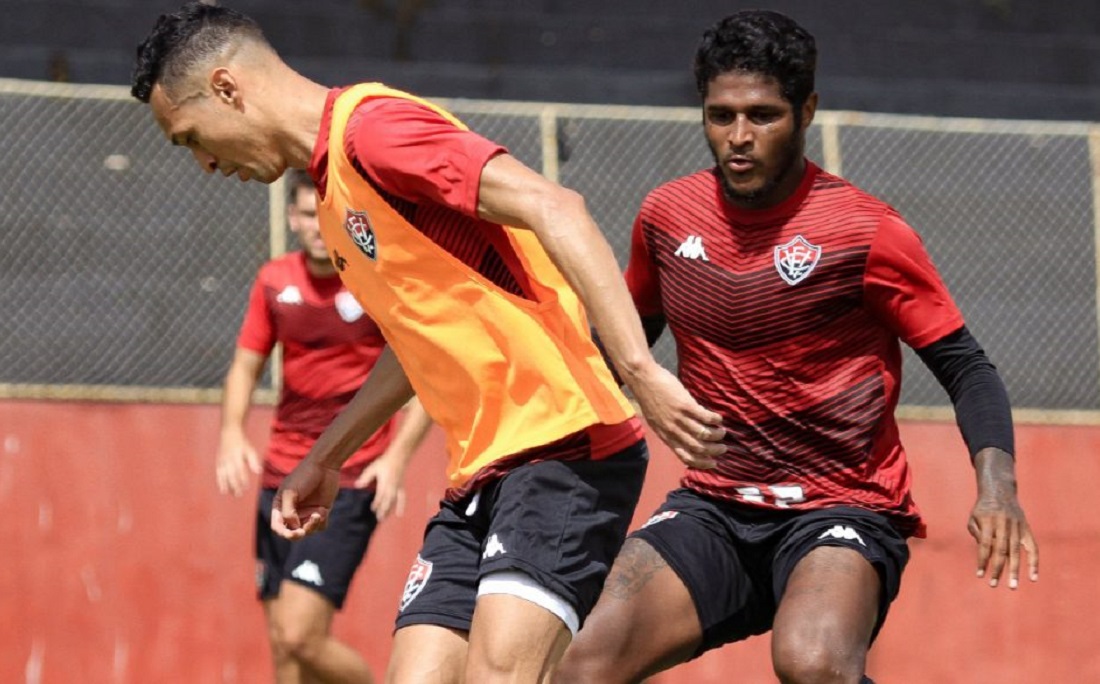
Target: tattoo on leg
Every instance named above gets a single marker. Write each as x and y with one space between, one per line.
636 564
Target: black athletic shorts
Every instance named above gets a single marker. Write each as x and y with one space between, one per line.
735 560
324 561
559 522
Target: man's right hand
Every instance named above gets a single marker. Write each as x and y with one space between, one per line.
304 499
236 459
693 433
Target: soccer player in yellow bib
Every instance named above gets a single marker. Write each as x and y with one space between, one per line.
482 275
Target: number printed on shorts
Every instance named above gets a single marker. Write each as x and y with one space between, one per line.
780 496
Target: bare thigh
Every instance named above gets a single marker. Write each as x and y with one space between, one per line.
513 640
644 622
427 654
827 614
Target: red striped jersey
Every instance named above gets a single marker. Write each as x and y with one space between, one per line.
787 321
329 347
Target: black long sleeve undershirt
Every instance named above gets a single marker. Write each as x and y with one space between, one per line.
982 409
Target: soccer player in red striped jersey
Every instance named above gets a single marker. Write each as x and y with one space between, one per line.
788 292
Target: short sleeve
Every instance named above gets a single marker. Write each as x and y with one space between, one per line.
641 273
415 153
903 289
258 328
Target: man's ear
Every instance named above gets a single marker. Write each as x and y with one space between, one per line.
809 107
225 86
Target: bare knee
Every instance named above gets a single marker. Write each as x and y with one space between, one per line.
808 658
585 663
298 641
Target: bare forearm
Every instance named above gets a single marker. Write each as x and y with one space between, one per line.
240 382
995 470
513 195
385 391
410 433
590 267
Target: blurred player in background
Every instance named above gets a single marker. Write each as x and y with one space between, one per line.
787 291
475 267
329 346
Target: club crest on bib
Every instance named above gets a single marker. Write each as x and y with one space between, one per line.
361 232
796 259
418 577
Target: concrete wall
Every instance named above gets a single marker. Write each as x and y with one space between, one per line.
123 564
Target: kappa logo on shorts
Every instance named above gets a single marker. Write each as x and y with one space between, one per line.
308 571
493 548
361 231
842 532
796 259
661 517
418 577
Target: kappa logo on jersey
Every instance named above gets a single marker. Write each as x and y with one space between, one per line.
348 307
796 259
359 228
692 248
290 295
842 532
493 548
308 572
418 577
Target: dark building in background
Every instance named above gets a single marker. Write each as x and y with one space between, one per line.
985 58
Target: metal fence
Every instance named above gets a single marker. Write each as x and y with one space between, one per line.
125 271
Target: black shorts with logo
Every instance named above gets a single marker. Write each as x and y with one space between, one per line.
735 560
559 522
324 561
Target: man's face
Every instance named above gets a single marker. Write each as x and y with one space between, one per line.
755 140
302 216
217 129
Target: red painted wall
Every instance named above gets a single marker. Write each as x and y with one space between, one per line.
124 564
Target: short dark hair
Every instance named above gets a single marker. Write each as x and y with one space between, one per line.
183 39
759 42
297 179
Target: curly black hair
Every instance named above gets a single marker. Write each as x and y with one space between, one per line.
759 42
183 39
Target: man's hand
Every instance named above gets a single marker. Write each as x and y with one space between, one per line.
385 473
997 521
236 458
693 433
304 500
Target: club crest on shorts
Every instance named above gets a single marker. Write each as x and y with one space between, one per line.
661 517
418 577
796 259
361 232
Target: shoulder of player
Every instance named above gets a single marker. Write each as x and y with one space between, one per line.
845 201
284 269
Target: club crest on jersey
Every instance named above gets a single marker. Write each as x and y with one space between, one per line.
348 307
418 577
361 232
796 259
